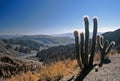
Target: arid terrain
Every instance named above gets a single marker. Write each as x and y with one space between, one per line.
46 58
109 72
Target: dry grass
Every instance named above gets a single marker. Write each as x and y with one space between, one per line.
58 70
48 72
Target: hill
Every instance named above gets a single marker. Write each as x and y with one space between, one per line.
113 36
2 47
71 35
28 43
9 36
47 40
11 66
57 53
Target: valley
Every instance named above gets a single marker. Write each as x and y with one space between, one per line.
32 52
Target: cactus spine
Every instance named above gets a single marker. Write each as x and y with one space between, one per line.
104 47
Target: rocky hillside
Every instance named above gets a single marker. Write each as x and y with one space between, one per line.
56 53
11 66
2 47
113 36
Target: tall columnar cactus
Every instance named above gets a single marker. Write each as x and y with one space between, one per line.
85 53
86 40
82 52
104 47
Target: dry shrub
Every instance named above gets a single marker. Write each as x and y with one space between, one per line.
58 70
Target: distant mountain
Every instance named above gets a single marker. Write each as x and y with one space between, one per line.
32 42
9 36
64 35
71 35
47 40
113 36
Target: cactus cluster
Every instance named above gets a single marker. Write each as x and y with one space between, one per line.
85 53
104 47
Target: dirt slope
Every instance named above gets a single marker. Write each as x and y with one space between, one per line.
109 72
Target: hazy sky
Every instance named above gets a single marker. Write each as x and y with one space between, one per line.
56 16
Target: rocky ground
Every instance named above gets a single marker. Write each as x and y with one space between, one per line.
109 72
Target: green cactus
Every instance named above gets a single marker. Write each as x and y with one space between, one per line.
77 49
86 62
86 40
83 49
104 47
93 41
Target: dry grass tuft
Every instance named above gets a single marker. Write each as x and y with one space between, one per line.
58 70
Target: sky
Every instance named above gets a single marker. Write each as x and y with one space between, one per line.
30 17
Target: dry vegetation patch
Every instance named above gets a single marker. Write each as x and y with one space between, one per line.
58 70
49 72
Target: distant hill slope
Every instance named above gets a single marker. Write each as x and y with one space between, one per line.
47 40
113 36
71 35
11 66
63 35
9 36
57 53
2 47
32 42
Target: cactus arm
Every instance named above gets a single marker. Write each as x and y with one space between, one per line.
93 41
86 39
77 49
100 41
103 53
82 48
105 47
110 47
